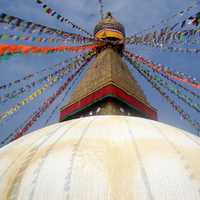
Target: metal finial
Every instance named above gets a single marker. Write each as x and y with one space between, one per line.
108 15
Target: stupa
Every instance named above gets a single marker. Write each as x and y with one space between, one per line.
113 150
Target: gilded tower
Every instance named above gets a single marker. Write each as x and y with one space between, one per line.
108 87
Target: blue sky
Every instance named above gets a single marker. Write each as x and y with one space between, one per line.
134 14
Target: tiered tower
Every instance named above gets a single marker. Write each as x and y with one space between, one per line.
108 87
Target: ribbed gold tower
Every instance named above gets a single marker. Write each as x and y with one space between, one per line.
108 68
108 88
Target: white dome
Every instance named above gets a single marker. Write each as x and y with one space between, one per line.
102 158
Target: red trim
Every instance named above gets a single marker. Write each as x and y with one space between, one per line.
105 91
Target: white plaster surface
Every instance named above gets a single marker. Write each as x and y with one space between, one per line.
102 158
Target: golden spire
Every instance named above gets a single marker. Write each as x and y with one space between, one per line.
108 88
